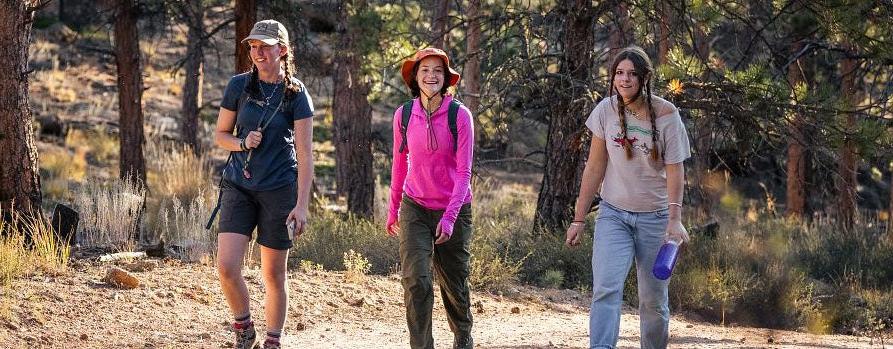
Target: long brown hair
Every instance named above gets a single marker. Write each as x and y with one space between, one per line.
645 71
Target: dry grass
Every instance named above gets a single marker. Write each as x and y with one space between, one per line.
17 259
110 214
183 229
180 201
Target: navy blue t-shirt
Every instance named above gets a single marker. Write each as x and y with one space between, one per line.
273 163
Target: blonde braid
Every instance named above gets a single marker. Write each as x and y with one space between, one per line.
291 88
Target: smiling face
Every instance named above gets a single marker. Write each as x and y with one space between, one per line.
627 80
430 75
266 57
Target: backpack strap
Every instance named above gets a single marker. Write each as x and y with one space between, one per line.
404 123
452 115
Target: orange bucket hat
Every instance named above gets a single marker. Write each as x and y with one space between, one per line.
422 54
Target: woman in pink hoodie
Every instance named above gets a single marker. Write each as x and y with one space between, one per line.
430 208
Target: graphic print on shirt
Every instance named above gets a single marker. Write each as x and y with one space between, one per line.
636 138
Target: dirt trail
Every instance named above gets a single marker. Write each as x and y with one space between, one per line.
180 306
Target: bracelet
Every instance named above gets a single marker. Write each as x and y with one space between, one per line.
577 223
242 144
674 204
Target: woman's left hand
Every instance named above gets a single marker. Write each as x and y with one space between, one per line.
441 234
299 216
676 231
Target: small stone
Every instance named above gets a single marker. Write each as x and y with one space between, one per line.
689 326
300 326
84 337
204 336
516 310
770 340
120 278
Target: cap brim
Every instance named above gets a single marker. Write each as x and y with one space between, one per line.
262 38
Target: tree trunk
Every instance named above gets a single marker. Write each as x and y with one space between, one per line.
703 139
441 22
352 118
246 15
19 176
846 184
796 180
471 76
621 33
663 39
194 16
130 92
566 143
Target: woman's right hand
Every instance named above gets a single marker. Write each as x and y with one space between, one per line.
253 139
574 233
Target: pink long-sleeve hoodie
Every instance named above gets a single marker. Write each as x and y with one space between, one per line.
428 171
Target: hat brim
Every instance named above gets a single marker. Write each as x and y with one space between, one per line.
262 38
406 71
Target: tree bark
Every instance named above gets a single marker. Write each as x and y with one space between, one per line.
246 15
796 163
130 92
194 15
663 40
19 176
846 184
441 21
352 118
703 139
621 33
471 76
566 143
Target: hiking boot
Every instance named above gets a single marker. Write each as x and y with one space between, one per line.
271 344
246 336
463 342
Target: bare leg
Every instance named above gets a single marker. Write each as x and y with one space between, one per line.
273 265
231 249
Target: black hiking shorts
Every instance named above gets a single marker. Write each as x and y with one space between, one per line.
242 210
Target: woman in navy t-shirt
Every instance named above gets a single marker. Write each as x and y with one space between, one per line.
266 183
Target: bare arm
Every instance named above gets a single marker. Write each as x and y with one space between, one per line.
675 185
304 151
593 174
223 135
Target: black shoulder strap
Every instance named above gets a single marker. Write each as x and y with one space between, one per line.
404 122
452 115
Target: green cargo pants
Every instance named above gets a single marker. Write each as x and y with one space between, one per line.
451 265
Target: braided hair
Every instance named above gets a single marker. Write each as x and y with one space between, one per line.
643 66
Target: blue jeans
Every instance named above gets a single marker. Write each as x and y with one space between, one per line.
619 237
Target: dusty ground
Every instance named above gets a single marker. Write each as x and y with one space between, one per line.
180 306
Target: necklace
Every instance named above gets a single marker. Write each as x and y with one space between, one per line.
264 93
635 115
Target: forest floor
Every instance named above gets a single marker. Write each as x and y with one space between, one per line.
180 305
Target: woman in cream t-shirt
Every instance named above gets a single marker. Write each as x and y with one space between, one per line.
638 145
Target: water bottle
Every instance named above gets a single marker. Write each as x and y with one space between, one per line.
666 259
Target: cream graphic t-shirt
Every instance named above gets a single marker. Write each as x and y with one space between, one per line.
638 184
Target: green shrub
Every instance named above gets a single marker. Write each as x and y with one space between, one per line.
331 234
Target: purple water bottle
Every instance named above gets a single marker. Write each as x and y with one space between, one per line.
666 259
